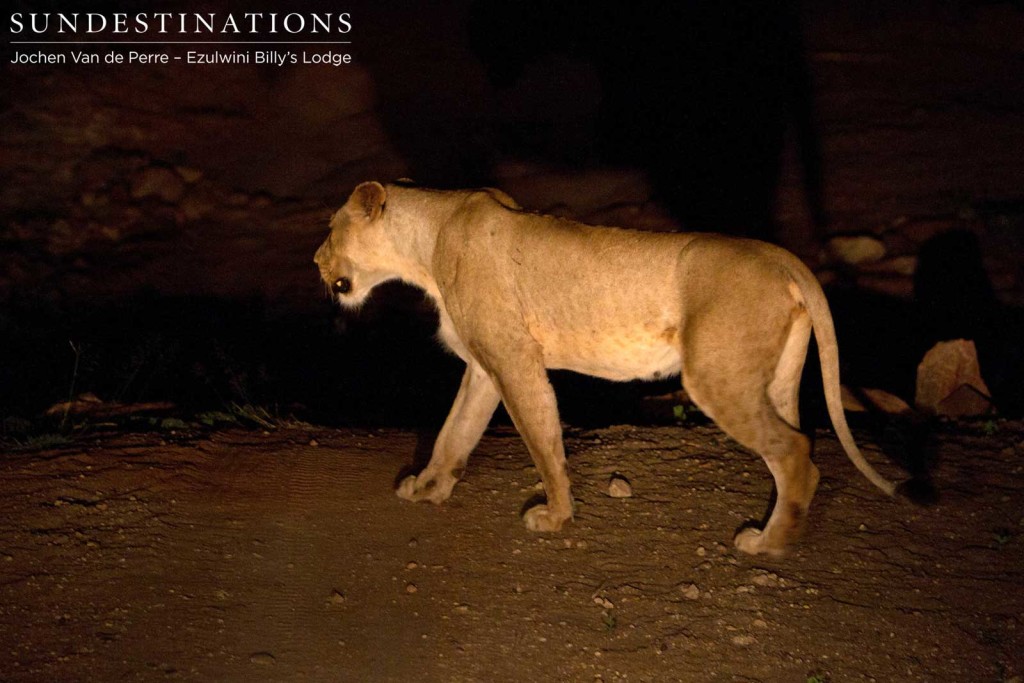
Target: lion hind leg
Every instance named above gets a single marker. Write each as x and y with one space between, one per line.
784 388
751 394
786 451
796 479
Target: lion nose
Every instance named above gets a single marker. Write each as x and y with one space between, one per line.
342 286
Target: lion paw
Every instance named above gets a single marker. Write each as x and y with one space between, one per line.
541 518
429 487
753 542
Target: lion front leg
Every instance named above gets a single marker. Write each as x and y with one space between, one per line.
530 401
470 414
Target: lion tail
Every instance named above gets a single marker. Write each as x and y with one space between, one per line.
828 355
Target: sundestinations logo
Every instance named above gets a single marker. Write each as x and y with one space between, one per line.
182 23
209 38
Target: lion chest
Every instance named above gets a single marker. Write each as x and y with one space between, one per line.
447 335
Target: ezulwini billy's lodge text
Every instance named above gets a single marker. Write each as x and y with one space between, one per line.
272 57
264 57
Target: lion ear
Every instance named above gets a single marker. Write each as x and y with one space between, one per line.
369 199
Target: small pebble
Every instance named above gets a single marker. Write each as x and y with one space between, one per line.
619 487
743 641
336 598
314 443
410 588
759 623
262 658
690 592
603 602
701 552
411 565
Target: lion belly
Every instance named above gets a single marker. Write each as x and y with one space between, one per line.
619 355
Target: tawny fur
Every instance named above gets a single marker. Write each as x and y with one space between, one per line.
519 293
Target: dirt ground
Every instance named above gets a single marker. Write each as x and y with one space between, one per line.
247 555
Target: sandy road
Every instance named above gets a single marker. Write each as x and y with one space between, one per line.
245 556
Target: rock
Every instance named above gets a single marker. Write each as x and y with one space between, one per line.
766 580
743 640
87 399
877 399
63 238
603 602
949 381
965 400
158 182
336 597
619 487
889 284
690 591
237 199
410 588
262 658
922 230
88 404
188 174
899 265
851 403
856 249
314 443
200 201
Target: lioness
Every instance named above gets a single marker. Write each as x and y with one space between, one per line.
518 293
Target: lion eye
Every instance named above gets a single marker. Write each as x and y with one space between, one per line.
342 286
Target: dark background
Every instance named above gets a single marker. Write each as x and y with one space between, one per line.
157 224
